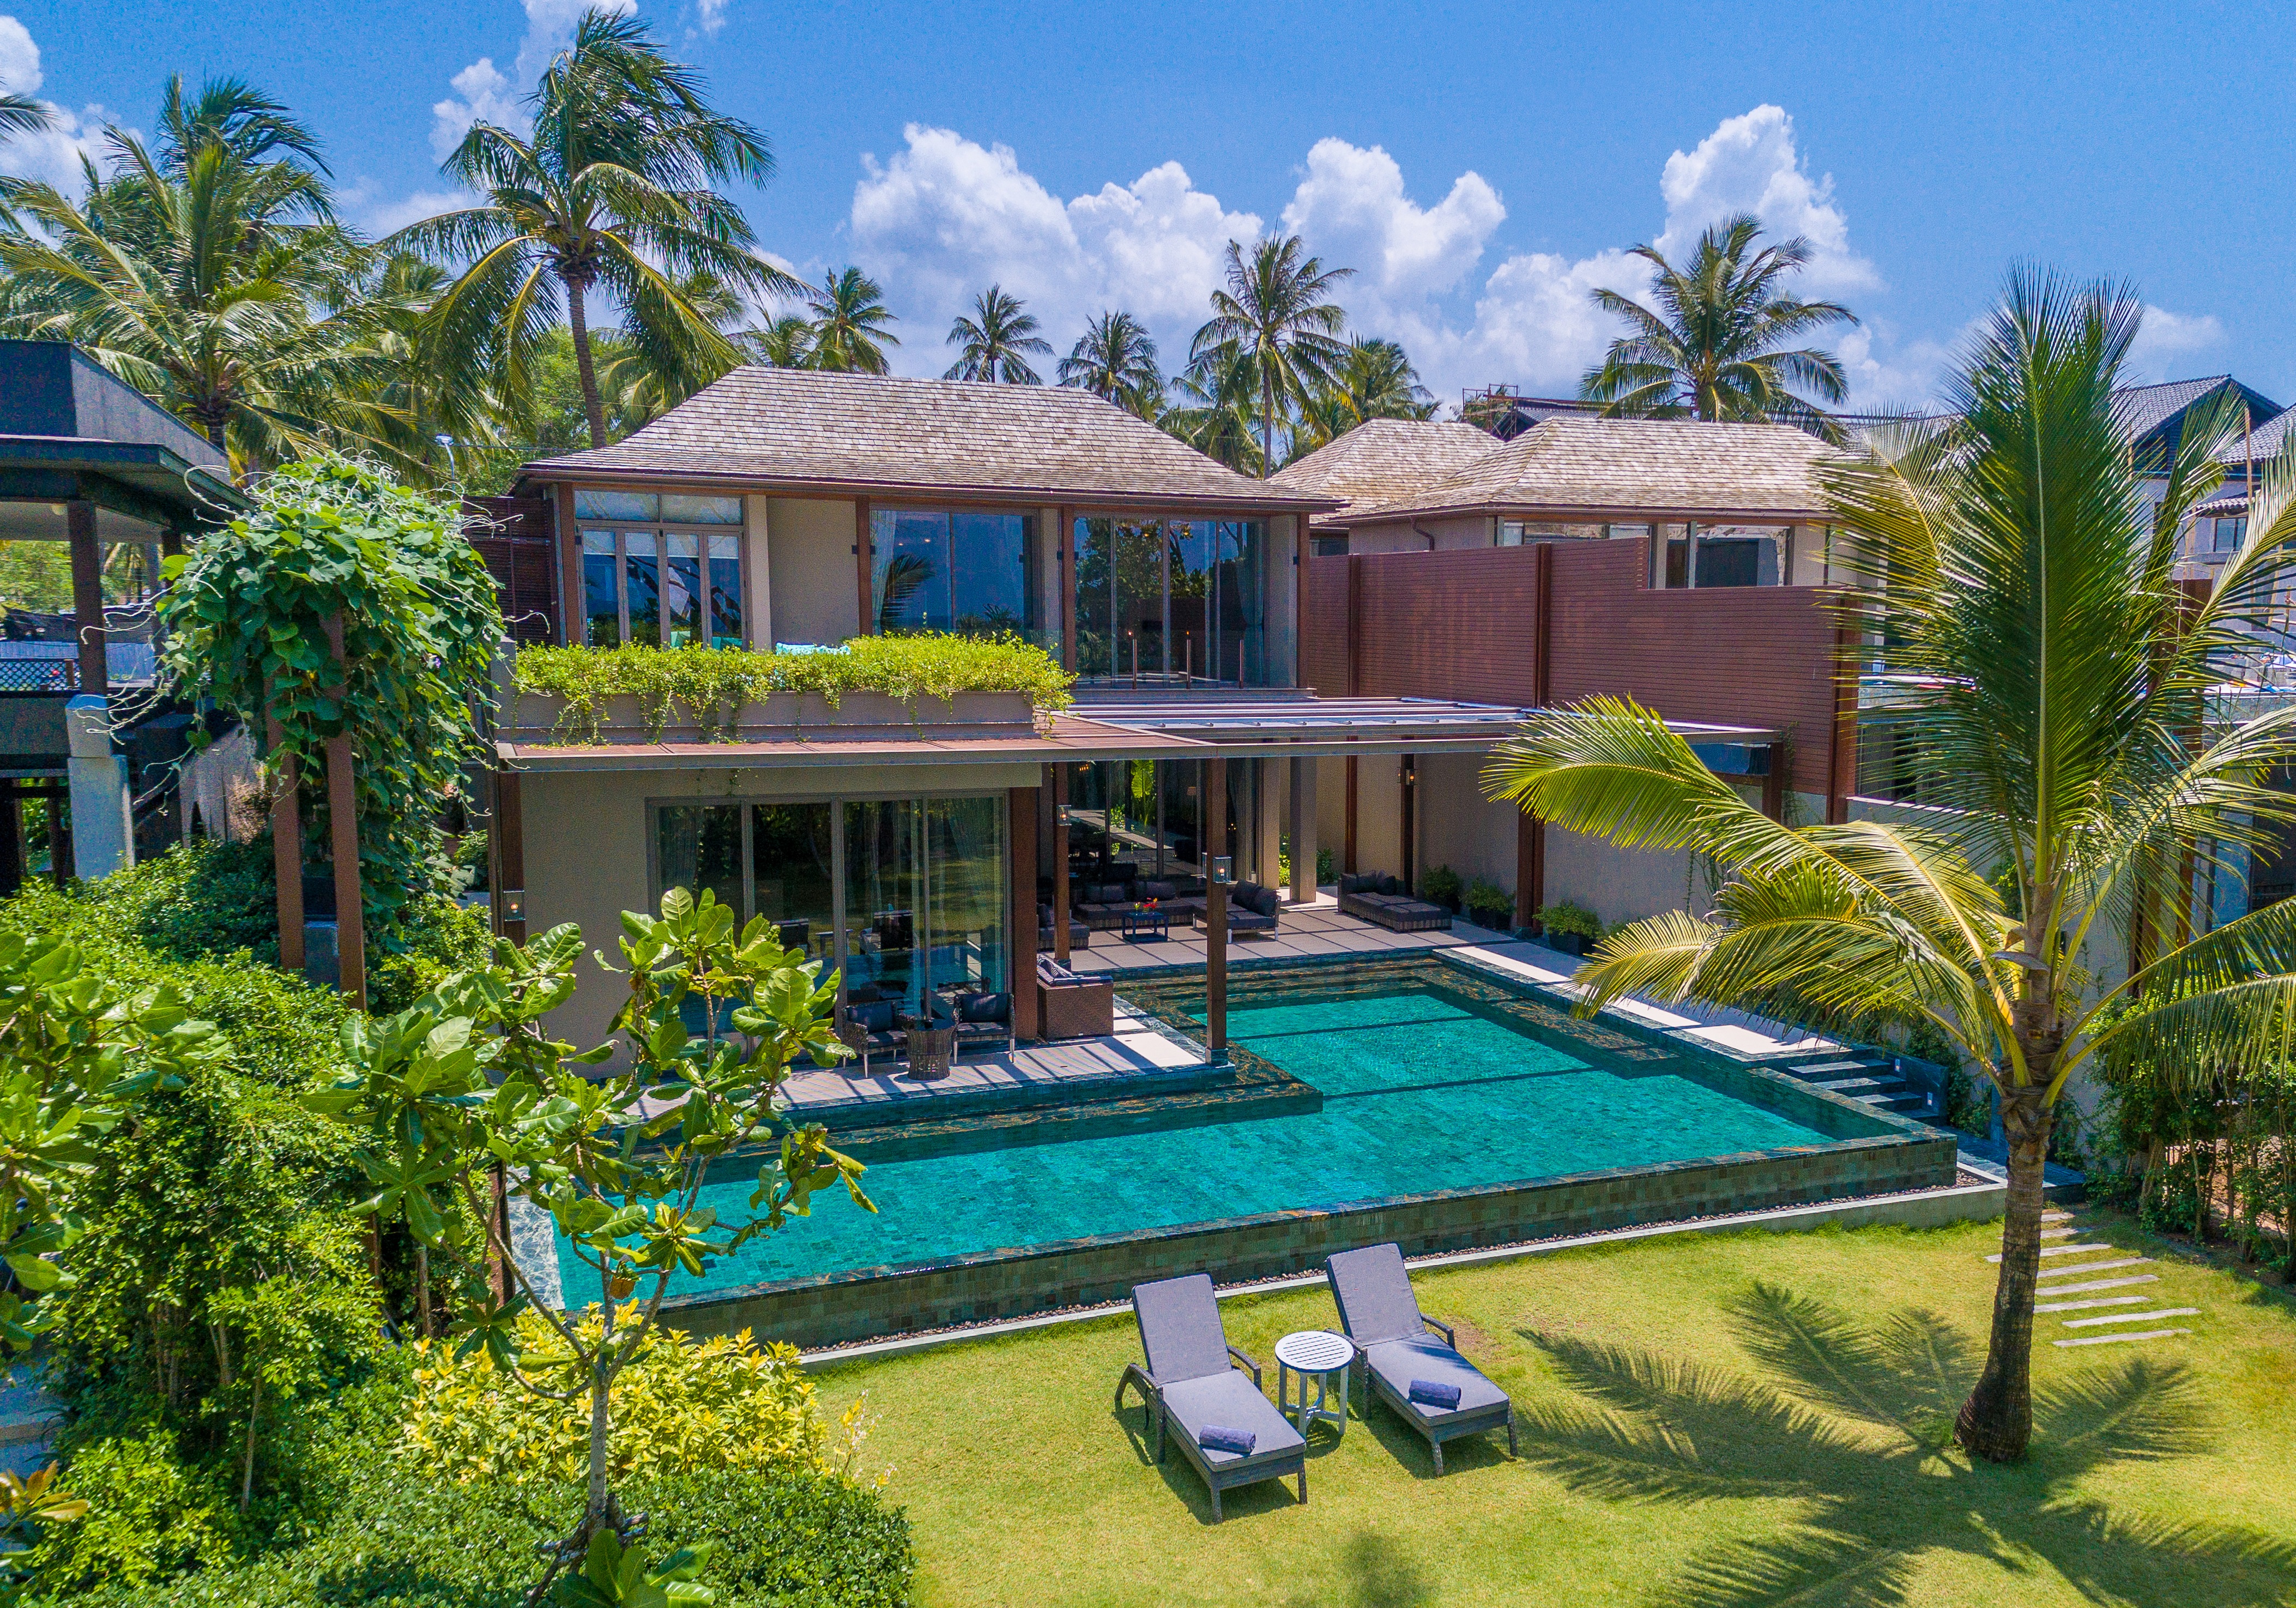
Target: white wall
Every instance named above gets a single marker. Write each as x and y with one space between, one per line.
811 571
756 558
1461 828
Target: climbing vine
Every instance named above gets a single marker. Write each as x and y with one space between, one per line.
247 611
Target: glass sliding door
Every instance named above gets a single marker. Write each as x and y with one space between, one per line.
1218 604
1119 602
699 846
970 573
792 872
963 939
681 587
885 898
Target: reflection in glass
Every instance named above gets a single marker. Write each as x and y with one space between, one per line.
1120 603
792 869
681 576
884 848
725 592
965 904
1176 597
699 846
699 510
601 606
936 571
642 581
1217 618
617 505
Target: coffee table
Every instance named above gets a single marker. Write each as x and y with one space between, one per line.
1322 1356
1141 921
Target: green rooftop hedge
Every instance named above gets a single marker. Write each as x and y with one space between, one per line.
711 684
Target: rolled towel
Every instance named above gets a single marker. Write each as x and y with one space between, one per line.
1219 1438
1427 1392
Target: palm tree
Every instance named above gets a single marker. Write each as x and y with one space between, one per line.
209 271
611 193
2058 681
21 114
1373 379
852 326
991 343
1715 348
787 343
1215 411
646 374
1272 309
1115 359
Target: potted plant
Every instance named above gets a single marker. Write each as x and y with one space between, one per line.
1488 905
1441 885
1570 928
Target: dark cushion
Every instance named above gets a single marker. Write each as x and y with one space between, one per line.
1388 884
1124 871
1360 881
984 1007
1266 901
1105 893
1053 971
876 1014
1156 890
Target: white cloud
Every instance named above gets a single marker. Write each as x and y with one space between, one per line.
53 153
1750 164
2165 336
709 16
946 217
1352 205
483 92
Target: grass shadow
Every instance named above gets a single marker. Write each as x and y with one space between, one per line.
1852 1417
1378 1574
1180 1477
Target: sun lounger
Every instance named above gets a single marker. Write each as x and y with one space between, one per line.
1189 1386
1396 1348
1382 900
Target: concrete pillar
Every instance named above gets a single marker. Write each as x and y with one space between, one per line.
1268 827
1301 828
103 836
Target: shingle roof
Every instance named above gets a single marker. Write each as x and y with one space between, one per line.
1385 459
2141 409
2264 441
764 425
1625 464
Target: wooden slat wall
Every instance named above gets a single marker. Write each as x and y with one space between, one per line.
515 536
1464 625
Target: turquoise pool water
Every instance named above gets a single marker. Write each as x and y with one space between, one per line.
1421 1092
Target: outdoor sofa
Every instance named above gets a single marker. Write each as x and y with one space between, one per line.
1396 1345
1188 1383
1251 909
1380 900
1073 1005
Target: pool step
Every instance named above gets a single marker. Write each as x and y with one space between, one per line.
1868 1077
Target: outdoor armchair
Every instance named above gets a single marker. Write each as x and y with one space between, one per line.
1395 1346
1189 1383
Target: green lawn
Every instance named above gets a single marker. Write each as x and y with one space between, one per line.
1705 1420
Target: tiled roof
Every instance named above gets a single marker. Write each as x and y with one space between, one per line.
764 425
1385 459
2141 409
2263 441
1624 464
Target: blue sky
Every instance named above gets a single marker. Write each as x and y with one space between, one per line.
1481 167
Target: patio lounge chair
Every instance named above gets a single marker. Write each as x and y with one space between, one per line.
871 1027
1380 900
1073 1005
1251 909
983 1020
1188 1383
1382 1316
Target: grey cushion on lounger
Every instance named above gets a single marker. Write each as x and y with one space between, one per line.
1398 1362
1230 1398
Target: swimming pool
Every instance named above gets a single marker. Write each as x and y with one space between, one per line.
1433 1084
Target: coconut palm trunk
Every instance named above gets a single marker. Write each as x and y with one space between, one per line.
578 323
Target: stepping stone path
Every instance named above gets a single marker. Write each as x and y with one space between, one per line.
2111 1323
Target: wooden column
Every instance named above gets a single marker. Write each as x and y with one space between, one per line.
864 561
62 864
1530 867
342 820
1406 778
1774 784
574 624
1347 838
1214 802
287 848
88 596
1059 864
1302 824
1530 831
1841 742
12 838
1020 814
507 833
1065 546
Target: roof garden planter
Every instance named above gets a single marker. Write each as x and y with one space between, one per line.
545 718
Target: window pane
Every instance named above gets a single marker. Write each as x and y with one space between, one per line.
1216 614
1733 557
681 580
699 846
643 573
965 946
1119 603
989 574
909 570
602 608
725 592
883 898
700 510
617 505
788 858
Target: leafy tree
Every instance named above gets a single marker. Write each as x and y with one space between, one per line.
852 326
993 343
1715 347
2059 681
1115 359
1372 380
611 193
787 342
248 613
209 271
469 1081
1273 312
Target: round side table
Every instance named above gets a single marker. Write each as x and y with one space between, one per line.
1322 1356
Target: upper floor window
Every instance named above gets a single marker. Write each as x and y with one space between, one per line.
1695 555
2229 534
1183 599
1330 547
662 569
937 569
